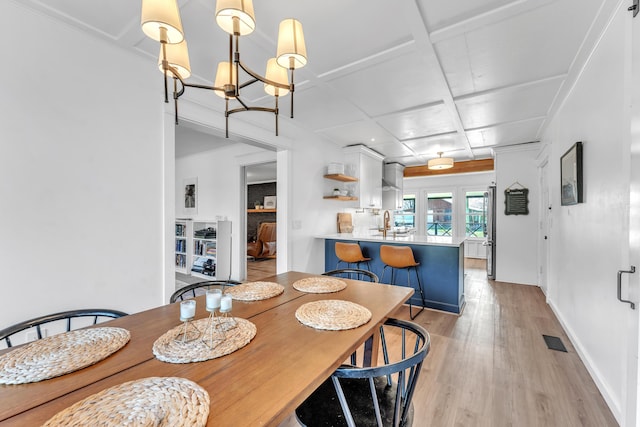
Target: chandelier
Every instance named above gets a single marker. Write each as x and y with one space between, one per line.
160 20
440 162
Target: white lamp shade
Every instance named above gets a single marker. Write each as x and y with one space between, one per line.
178 58
277 74
291 44
226 10
158 14
223 77
440 163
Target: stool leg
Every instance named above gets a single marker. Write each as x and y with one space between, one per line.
383 270
421 293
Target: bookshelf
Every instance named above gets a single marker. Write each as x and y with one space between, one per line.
210 250
182 244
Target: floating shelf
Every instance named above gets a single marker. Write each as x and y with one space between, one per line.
261 210
341 177
343 198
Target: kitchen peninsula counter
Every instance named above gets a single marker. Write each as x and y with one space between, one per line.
441 268
399 238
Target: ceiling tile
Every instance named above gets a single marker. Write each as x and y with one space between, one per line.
432 145
316 109
110 18
363 131
438 13
400 83
337 32
391 149
530 46
431 120
507 134
513 104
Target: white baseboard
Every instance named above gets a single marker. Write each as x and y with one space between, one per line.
614 405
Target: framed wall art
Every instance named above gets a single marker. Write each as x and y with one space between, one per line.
571 176
190 195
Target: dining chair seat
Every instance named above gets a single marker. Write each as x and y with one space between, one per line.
379 395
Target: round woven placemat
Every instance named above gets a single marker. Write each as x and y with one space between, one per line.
60 354
319 285
333 315
167 349
155 401
254 291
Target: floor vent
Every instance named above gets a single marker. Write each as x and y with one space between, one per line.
554 343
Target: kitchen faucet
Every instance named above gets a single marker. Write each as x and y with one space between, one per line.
386 226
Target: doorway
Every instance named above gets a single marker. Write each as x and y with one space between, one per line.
261 231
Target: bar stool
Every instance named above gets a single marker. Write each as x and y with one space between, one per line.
401 258
350 253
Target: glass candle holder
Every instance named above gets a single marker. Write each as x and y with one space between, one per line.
214 333
226 304
189 331
214 297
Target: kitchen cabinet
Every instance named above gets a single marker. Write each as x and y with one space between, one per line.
367 167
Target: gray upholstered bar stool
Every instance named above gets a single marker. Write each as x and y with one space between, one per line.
401 258
350 253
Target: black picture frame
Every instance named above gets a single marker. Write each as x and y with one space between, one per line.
571 176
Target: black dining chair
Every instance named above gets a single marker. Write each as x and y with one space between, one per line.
353 273
379 395
98 314
200 288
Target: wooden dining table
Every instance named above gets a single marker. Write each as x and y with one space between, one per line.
259 384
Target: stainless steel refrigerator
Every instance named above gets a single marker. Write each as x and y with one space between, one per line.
490 231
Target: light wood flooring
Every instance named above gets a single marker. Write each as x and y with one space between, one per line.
257 270
491 367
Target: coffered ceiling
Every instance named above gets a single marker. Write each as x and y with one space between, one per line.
408 78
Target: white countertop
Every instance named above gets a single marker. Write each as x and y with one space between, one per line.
411 238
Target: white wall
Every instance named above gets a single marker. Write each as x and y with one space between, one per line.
81 164
588 239
517 235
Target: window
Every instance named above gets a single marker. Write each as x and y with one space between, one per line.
475 214
407 216
439 214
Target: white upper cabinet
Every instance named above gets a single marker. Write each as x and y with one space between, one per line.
367 167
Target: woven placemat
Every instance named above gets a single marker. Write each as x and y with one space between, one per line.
254 291
60 354
154 401
319 285
167 349
333 315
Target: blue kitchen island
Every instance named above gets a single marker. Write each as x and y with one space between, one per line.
441 266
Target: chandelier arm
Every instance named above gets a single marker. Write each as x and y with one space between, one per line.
247 83
292 86
263 79
203 86
176 95
264 109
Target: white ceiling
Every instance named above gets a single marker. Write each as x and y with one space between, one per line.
408 78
